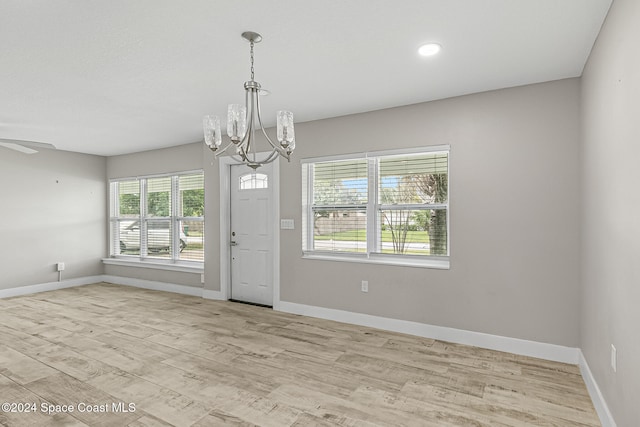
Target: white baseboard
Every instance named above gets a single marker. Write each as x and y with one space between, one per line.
209 294
606 419
153 285
51 286
540 350
117 280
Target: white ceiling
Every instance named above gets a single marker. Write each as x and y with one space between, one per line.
117 76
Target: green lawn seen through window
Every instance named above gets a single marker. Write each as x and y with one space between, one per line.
412 236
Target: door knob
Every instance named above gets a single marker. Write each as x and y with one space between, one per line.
233 243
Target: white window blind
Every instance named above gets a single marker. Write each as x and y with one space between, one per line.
378 205
160 218
339 208
412 210
156 225
191 217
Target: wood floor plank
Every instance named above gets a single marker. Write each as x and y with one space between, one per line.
19 340
197 343
161 402
329 420
219 418
92 406
186 361
384 369
212 374
20 367
148 421
252 408
331 407
72 363
293 341
12 392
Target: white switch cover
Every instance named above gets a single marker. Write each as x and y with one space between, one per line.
286 224
365 286
614 358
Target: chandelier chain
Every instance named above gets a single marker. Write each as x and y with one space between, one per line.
252 60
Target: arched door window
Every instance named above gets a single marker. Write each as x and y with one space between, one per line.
254 181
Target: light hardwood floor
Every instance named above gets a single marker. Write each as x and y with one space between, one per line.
187 361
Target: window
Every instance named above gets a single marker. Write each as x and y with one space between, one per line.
390 207
254 181
159 218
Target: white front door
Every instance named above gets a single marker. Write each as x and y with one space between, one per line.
252 234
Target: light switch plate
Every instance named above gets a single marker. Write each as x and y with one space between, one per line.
287 224
614 358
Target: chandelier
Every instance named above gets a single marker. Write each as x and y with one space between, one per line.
244 120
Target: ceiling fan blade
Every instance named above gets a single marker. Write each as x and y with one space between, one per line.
31 144
17 147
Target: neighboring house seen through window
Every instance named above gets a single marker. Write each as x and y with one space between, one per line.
159 218
386 207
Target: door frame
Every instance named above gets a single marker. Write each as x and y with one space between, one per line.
225 164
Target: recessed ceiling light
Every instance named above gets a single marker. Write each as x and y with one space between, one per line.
429 49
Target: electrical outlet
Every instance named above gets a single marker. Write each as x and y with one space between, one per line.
365 286
202 278
60 266
614 358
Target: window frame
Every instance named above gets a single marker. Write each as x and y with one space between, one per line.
175 218
373 209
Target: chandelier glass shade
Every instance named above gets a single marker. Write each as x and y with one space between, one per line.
244 120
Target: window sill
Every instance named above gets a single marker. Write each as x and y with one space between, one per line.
435 263
157 265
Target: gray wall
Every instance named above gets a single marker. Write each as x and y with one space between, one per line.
514 204
611 203
53 209
514 215
162 161
167 160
